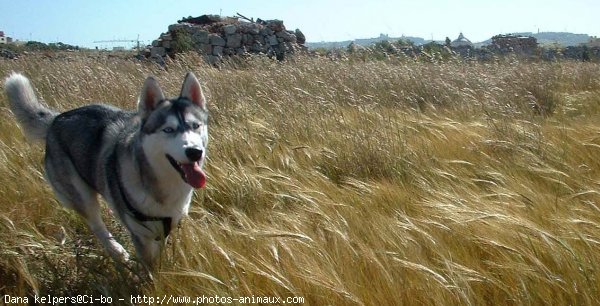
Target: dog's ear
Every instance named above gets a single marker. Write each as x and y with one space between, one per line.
191 90
150 96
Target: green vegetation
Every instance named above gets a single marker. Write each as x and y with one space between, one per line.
182 41
39 46
346 182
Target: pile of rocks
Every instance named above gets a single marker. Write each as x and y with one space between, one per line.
215 37
512 43
5 53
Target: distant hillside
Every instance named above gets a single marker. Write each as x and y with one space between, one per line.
543 38
550 38
363 42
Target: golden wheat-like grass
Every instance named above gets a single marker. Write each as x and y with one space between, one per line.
345 182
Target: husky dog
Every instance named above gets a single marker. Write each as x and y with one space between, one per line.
146 164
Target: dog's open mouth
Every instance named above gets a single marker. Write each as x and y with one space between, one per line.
190 173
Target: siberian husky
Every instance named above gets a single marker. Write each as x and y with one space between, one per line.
145 164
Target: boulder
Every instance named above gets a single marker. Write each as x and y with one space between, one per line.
250 28
217 51
276 25
234 40
300 38
211 59
229 51
266 32
240 51
287 36
179 27
216 40
200 37
247 39
272 40
5 53
229 29
256 47
205 48
157 51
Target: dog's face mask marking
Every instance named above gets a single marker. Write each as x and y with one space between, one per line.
179 134
176 131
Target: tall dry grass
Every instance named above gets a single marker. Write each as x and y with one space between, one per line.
344 182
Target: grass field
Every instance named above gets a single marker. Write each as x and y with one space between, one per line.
344 182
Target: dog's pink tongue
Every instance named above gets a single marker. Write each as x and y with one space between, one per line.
194 175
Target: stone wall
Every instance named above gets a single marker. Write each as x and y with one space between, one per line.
511 43
216 37
580 53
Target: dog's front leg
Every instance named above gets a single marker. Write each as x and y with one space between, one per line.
115 249
148 249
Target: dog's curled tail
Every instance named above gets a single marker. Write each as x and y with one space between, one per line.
33 117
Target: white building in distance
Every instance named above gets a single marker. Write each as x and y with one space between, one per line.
461 41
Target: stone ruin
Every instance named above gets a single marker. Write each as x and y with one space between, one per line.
215 37
512 43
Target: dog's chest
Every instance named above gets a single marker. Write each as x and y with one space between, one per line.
172 203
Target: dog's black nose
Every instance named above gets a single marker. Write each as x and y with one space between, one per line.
193 154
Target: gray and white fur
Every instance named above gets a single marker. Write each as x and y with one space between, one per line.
33 117
145 164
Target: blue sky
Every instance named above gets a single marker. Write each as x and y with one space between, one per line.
80 22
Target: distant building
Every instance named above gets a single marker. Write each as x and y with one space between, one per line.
462 45
461 41
5 39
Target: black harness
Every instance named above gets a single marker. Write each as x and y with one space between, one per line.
132 211
180 104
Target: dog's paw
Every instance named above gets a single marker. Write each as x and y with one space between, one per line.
117 251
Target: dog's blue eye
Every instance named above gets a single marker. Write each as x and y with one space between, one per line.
168 130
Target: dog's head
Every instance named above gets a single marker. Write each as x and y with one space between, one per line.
175 131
